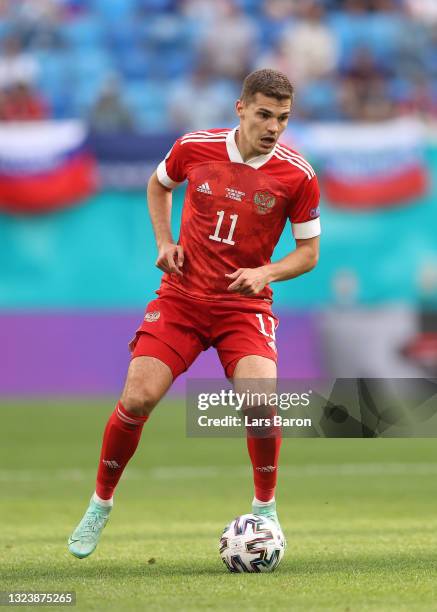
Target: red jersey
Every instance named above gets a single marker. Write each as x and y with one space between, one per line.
234 211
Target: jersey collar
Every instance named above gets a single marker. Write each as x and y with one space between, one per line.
235 155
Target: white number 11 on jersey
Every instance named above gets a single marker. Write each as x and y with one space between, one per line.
216 237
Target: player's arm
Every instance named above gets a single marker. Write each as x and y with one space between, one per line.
304 217
159 200
303 259
250 281
170 173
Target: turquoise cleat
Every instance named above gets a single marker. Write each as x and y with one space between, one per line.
85 537
269 511
266 510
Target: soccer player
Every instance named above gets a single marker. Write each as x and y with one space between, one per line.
243 185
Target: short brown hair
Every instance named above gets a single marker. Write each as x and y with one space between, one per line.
268 82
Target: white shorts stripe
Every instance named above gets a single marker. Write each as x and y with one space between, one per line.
294 163
297 157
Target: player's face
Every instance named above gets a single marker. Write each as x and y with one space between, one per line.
262 121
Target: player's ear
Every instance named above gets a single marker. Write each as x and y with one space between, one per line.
239 106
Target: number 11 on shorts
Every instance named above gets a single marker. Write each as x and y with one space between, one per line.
263 327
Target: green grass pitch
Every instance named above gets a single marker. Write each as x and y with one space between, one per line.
360 517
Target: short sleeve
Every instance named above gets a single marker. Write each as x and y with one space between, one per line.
171 171
305 212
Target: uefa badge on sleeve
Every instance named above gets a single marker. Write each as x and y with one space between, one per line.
264 201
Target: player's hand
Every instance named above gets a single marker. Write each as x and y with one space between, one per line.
248 281
171 259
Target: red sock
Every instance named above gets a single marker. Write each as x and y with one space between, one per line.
264 455
120 440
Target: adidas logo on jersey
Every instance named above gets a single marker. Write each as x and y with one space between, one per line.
205 188
234 194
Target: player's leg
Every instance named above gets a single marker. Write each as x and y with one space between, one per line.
147 381
246 346
165 345
258 375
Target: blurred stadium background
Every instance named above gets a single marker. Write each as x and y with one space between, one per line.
93 94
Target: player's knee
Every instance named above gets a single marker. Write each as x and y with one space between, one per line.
140 403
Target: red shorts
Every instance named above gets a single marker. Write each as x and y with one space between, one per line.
177 328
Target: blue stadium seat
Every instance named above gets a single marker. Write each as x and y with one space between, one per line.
62 105
135 63
55 71
6 28
319 100
54 82
251 7
88 74
86 94
85 31
87 65
172 64
271 32
399 90
386 32
121 36
351 32
148 102
429 55
164 32
114 10
158 6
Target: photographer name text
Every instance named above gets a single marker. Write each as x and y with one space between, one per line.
235 421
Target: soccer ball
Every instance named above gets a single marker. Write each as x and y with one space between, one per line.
252 543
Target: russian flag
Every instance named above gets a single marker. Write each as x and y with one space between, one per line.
44 166
365 166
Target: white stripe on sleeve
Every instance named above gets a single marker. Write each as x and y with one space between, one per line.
308 229
163 177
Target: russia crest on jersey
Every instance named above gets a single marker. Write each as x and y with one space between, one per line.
365 166
44 165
